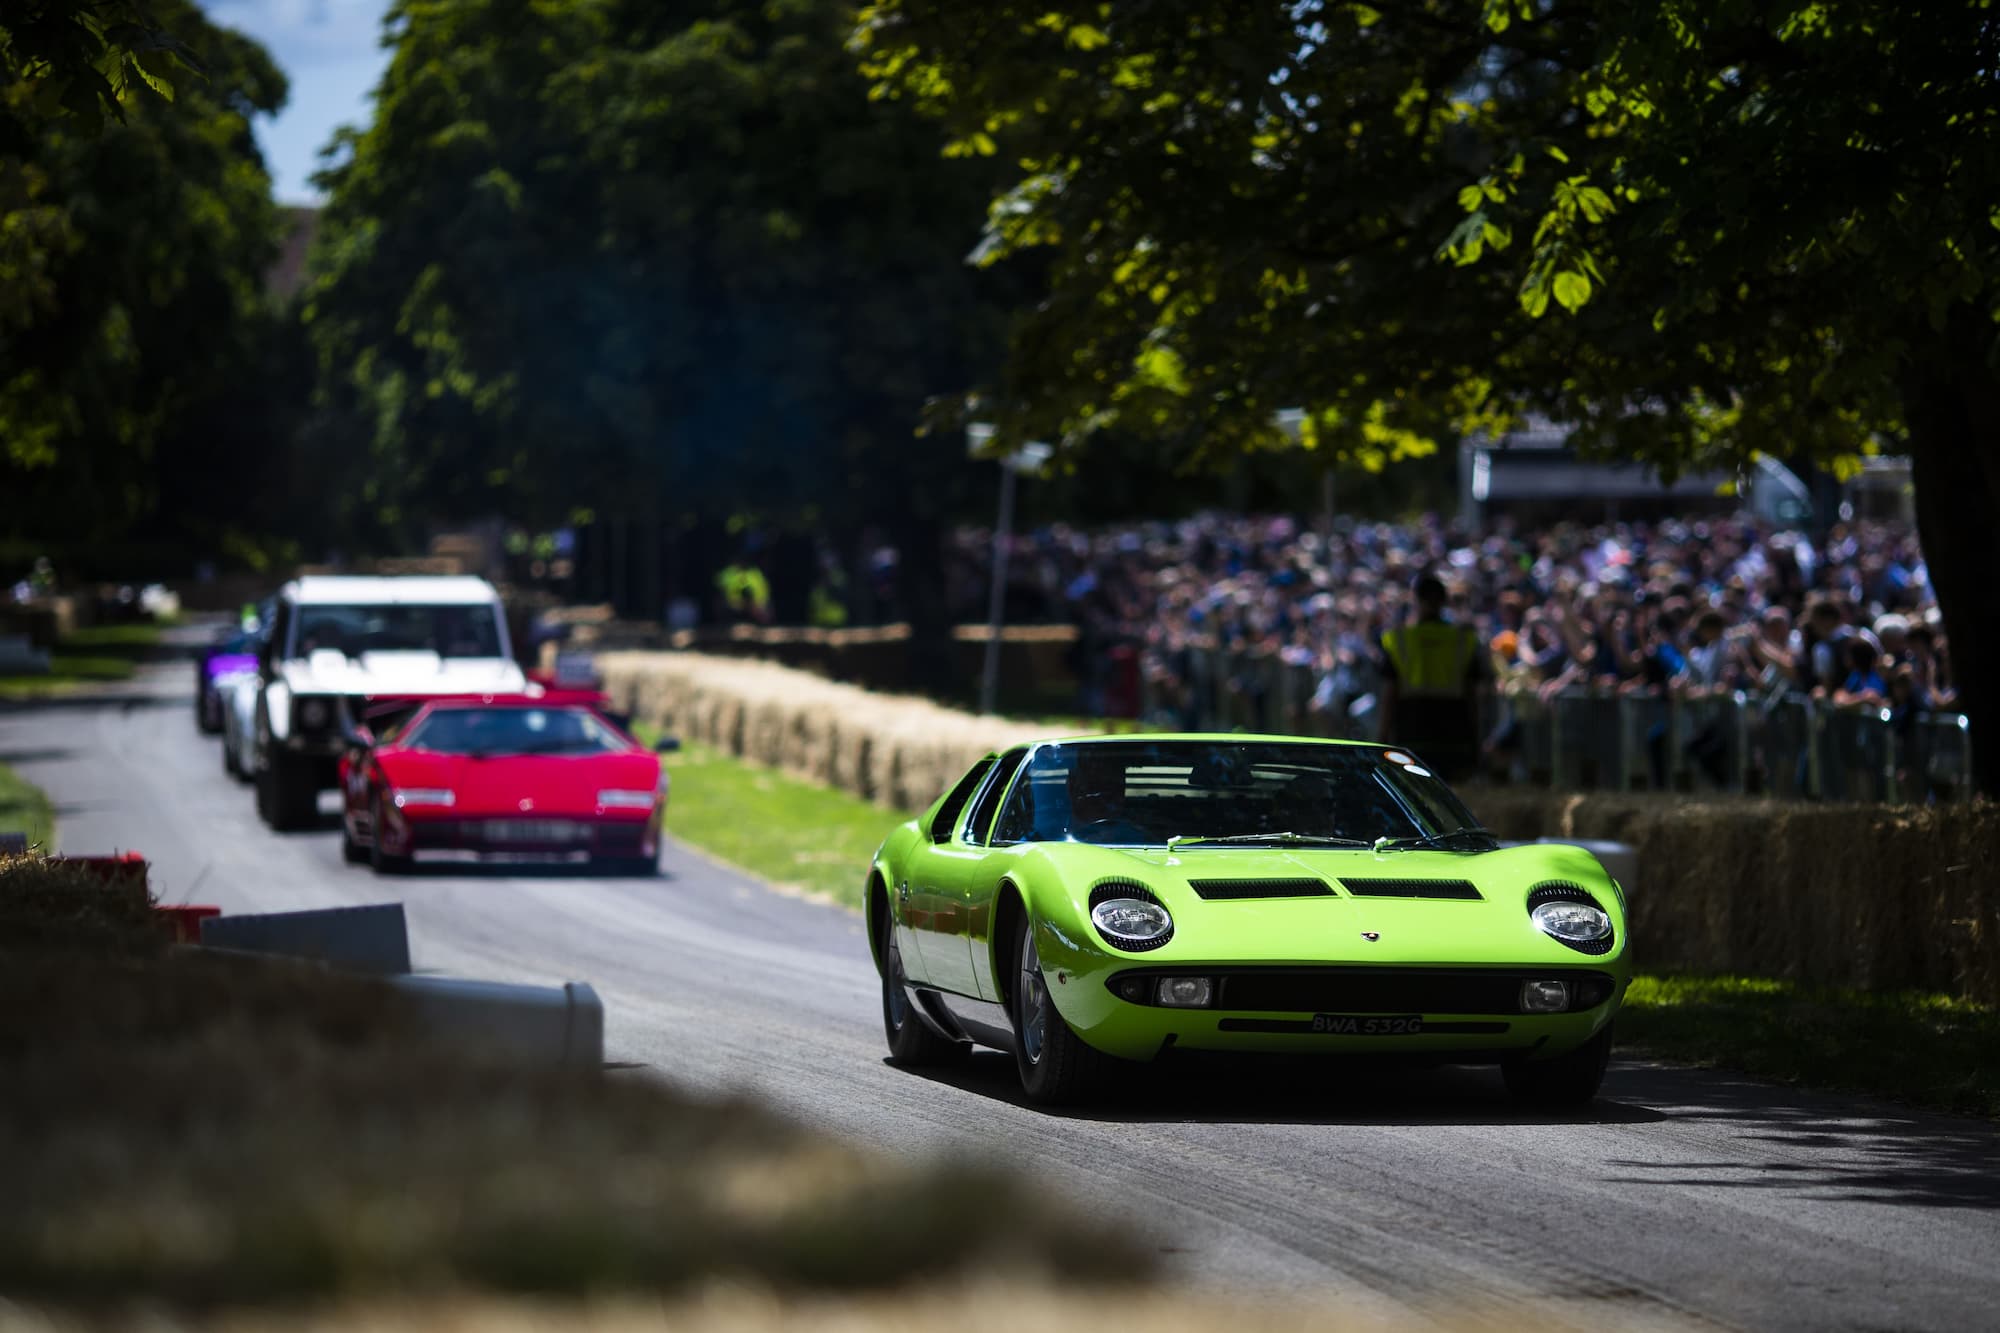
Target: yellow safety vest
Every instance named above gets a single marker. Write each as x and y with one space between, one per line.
1431 658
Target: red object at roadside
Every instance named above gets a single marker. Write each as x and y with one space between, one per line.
183 921
124 867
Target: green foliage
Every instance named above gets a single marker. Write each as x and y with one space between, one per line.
650 261
1717 203
132 253
86 59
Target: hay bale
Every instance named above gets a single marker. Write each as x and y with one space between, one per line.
1861 896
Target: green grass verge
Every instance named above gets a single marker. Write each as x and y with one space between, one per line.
1927 1050
775 826
94 656
1922 1049
25 809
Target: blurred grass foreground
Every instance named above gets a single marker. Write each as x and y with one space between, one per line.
200 1132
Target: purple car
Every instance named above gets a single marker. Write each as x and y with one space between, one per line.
232 652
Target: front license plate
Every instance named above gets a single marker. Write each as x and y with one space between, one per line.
1368 1025
535 830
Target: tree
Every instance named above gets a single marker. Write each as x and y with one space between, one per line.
134 233
662 264
1692 230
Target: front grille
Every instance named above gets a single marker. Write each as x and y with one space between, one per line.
1384 990
1304 1025
1411 888
1231 890
1561 890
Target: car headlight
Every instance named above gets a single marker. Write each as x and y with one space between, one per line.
1131 920
616 799
408 796
1572 922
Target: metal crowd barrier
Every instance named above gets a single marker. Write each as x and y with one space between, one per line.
1787 744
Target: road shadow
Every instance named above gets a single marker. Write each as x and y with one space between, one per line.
35 756
1819 1146
1809 1146
86 698
1267 1090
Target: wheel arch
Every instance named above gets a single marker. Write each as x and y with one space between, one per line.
876 911
1010 908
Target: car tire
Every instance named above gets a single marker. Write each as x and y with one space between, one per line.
632 867
207 712
1057 1067
287 796
912 1043
383 862
1568 1080
229 765
351 851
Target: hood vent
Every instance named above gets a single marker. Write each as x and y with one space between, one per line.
1411 888
1231 890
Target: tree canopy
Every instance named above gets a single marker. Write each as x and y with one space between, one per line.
135 226
619 258
1690 230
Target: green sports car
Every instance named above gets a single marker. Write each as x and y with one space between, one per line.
1085 902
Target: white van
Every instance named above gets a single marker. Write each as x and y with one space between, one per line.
337 639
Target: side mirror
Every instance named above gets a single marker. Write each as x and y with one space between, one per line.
667 745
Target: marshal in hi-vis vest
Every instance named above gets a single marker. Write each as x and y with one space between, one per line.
1432 658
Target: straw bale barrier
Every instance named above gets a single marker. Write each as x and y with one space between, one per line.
1866 896
894 750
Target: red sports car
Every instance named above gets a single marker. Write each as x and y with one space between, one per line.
544 777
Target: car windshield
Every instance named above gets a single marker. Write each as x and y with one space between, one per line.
449 631
1144 793
496 731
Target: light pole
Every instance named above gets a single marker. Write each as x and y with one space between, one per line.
1028 458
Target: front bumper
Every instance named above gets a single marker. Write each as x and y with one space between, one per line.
1461 1013
557 836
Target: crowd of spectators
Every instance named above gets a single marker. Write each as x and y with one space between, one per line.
1694 606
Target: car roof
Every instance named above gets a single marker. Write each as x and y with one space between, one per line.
1229 737
405 590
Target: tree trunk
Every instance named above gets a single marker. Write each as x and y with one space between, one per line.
1952 409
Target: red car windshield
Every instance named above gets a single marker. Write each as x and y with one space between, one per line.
501 731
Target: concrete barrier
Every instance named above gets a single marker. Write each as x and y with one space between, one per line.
372 938
558 1027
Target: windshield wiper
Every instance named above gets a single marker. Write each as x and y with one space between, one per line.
1318 839
1438 840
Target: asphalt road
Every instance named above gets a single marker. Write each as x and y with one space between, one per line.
1684 1197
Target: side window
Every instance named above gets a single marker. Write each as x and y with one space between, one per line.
1039 808
955 799
981 818
280 628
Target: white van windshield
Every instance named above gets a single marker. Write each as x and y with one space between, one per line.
449 631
